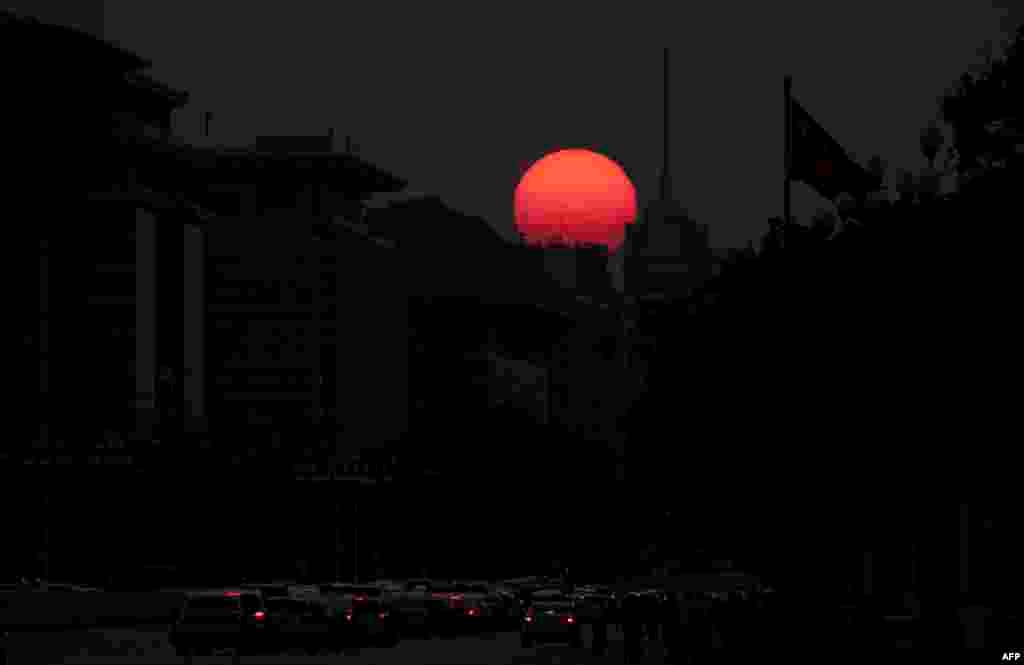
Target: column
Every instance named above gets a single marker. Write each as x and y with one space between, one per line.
194 333
964 547
869 573
145 321
43 344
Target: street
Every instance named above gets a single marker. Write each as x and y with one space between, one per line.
125 646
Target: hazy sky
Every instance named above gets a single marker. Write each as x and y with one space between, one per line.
455 97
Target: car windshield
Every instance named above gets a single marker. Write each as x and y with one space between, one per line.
213 603
441 588
272 589
369 591
251 602
287 605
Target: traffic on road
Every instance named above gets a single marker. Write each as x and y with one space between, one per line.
636 620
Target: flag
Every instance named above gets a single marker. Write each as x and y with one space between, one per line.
818 160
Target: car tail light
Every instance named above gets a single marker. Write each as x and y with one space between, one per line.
472 611
348 615
529 615
360 598
232 594
259 615
568 618
382 616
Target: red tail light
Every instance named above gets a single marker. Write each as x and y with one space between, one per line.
529 615
473 612
259 615
232 594
360 598
382 616
568 618
348 615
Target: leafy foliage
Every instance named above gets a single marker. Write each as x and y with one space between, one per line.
822 371
978 100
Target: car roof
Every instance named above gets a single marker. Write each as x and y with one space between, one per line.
225 593
547 591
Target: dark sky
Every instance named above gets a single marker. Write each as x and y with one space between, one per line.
457 96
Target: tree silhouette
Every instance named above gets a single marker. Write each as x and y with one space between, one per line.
824 223
878 167
976 102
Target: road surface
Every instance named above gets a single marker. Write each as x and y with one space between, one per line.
144 646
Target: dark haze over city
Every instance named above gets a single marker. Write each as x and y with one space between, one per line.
279 325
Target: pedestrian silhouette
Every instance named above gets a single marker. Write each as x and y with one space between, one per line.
652 618
670 625
599 642
632 628
700 627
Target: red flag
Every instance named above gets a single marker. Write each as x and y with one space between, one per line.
818 160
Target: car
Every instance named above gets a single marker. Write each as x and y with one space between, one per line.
300 624
218 619
550 616
494 604
594 602
269 589
304 591
463 607
507 603
364 613
468 610
420 607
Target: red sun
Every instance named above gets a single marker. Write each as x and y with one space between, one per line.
575 197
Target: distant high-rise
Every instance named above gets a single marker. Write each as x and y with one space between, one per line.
580 268
666 251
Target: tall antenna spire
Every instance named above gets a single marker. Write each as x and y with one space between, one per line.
665 186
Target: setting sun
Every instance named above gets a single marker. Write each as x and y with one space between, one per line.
575 196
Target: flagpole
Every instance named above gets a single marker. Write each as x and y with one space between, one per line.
787 93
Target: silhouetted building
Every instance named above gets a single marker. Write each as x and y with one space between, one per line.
82 123
84 16
592 270
294 349
667 252
561 263
100 288
574 269
449 252
291 341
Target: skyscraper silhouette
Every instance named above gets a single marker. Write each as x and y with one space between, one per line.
666 250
